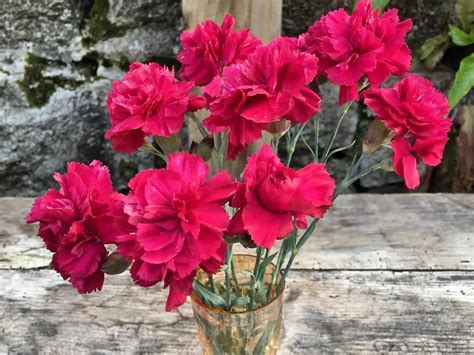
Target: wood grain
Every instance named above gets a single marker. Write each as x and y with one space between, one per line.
360 232
382 273
263 17
345 311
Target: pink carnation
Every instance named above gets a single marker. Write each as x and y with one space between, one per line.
76 222
149 100
274 197
271 84
179 219
416 112
209 48
364 44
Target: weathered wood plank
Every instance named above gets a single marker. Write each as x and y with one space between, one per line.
263 17
345 311
391 232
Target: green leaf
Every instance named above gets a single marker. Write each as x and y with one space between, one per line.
204 148
463 82
461 38
465 13
208 297
241 301
115 264
433 50
264 264
381 4
169 144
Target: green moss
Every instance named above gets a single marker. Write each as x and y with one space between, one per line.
37 87
98 25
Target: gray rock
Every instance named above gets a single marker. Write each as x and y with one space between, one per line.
298 15
379 177
430 17
57 60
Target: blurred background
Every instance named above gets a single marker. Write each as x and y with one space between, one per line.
58 58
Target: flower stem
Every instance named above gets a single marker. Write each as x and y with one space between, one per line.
149 148
254 278
316 144
234 276
344 111
348 181
291 148
228 259
210 279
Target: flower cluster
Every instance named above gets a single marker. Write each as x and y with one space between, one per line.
357 46
179 219
75 223
416 112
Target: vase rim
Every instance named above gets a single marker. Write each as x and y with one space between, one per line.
195 298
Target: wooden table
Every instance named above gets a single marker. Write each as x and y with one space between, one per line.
382 273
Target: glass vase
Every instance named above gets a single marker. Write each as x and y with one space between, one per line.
239 331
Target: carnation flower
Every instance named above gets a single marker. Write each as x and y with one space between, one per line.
271 84
274 197
149 100
179 219
364 44
209 48
75 223
416 112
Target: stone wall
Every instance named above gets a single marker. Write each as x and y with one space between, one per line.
58 58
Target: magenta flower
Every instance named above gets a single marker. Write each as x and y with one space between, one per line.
76 222
274 197
362 45
179 219
149 100
209 48
416 112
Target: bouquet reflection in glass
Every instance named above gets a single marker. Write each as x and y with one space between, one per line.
178 225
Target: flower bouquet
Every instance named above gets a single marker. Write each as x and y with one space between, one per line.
185 225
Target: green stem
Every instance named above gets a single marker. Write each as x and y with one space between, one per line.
254 279
276 270
344 111
228 258
291 148
348 181
234 277
149 148
210 279
316 144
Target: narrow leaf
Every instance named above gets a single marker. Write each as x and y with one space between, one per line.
208 297
463 82
264 264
